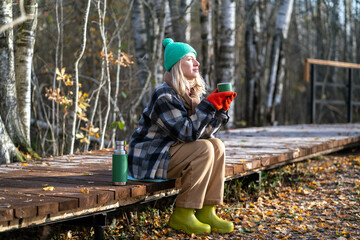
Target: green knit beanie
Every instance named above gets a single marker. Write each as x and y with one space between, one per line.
174 51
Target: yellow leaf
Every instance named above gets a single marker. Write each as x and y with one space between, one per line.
82 116
269 213
93 130
85 190
85 140
61 75
57 71
24 164
69 82
157 233
48 188
79 135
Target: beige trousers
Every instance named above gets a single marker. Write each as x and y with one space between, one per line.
201 167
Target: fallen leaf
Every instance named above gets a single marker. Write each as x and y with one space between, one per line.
85 190
49 188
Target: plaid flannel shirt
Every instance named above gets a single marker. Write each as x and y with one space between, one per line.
164 122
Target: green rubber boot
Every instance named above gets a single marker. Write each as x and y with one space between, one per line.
184 219
208 215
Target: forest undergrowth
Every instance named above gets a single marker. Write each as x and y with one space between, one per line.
314 199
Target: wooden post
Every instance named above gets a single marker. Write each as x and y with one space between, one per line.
350 97
313 93
99 223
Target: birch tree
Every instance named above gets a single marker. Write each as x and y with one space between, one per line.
253 63
178 34
102 13
180 19
206 41
277 59
157 14
141 44
23 61
225 63
185 21
73 112
158 17
11 127
8 151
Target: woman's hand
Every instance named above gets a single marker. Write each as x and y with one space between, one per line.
228 101
221 100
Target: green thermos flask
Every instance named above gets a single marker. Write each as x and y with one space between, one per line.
119 164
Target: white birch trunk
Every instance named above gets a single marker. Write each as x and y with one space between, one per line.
207 42
178 34
159 32
116 110
159 25
180 20
281 30
185 11
169 32
73 117
8 151
252 63
23 60
8 96
10 120
227 41
107 75
226 56
58 58
141 43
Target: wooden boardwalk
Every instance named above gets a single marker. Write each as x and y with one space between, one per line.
68 187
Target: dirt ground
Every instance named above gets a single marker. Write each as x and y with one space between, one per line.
315 199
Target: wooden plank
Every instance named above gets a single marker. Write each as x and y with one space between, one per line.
83 181
152 187
6 214
332 63
30 205
229 170
70 195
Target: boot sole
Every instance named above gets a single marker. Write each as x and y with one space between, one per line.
184 228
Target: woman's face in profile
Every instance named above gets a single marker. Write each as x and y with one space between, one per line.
190 66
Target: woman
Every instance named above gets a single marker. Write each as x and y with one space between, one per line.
175 140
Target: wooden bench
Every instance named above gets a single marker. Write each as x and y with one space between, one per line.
74 186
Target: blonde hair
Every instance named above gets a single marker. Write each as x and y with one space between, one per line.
182 85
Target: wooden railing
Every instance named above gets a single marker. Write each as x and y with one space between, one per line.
310 76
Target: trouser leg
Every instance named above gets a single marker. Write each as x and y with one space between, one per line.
215 190
195 163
